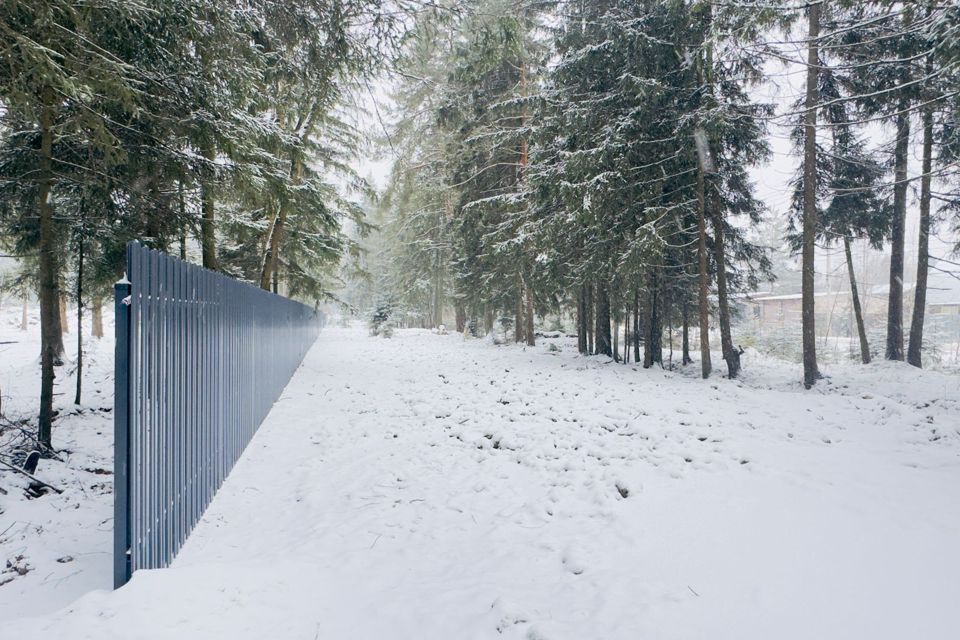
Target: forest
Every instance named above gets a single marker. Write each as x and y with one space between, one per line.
596 158
587 158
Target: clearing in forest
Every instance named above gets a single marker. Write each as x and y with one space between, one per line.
425 486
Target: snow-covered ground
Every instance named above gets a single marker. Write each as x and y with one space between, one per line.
55 548
430 487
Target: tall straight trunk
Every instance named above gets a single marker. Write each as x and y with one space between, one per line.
76 399
487 319
23 318
518 318
49 293
437 292
603 345
914 355
626 334
895 301
460 315
97 311
615 338
582 322
276 281
653 340
730 355
636 326
810 371
208 241
591 343
703 277
686 332
528 298
857 309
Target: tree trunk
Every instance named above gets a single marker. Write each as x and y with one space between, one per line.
76 399
653 342
730 355
591 343
914 355
686 333
23 319
636 326
208 241
460 315
703 277
895 300
437 291
857 309
603 345
582 322
49 293
528 297
97 310
626 334
518 318
810 371
269 261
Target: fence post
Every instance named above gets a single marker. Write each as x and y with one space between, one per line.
121 435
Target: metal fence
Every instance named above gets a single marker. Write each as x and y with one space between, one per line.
200 359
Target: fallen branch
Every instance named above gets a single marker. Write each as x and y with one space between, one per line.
31 476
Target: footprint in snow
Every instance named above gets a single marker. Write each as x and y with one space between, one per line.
573 565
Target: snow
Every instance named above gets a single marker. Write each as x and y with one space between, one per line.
63 542
428 486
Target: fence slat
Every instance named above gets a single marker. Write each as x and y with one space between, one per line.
200 359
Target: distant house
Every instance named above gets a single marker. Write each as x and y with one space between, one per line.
943 289
834 309
786 311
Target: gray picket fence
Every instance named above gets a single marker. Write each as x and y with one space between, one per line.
200 360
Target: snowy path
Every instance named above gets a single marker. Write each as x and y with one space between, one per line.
426 487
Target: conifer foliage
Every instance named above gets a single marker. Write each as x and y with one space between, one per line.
593 159
210 123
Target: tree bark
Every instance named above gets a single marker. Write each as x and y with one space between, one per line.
686 333
810 371
528 298
591 342
582 321
518 318
857 309
895 300
914 354
730 355
208 241
626 334
636 326
603 345
653 340
460 315
76 399
49 292
703 277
